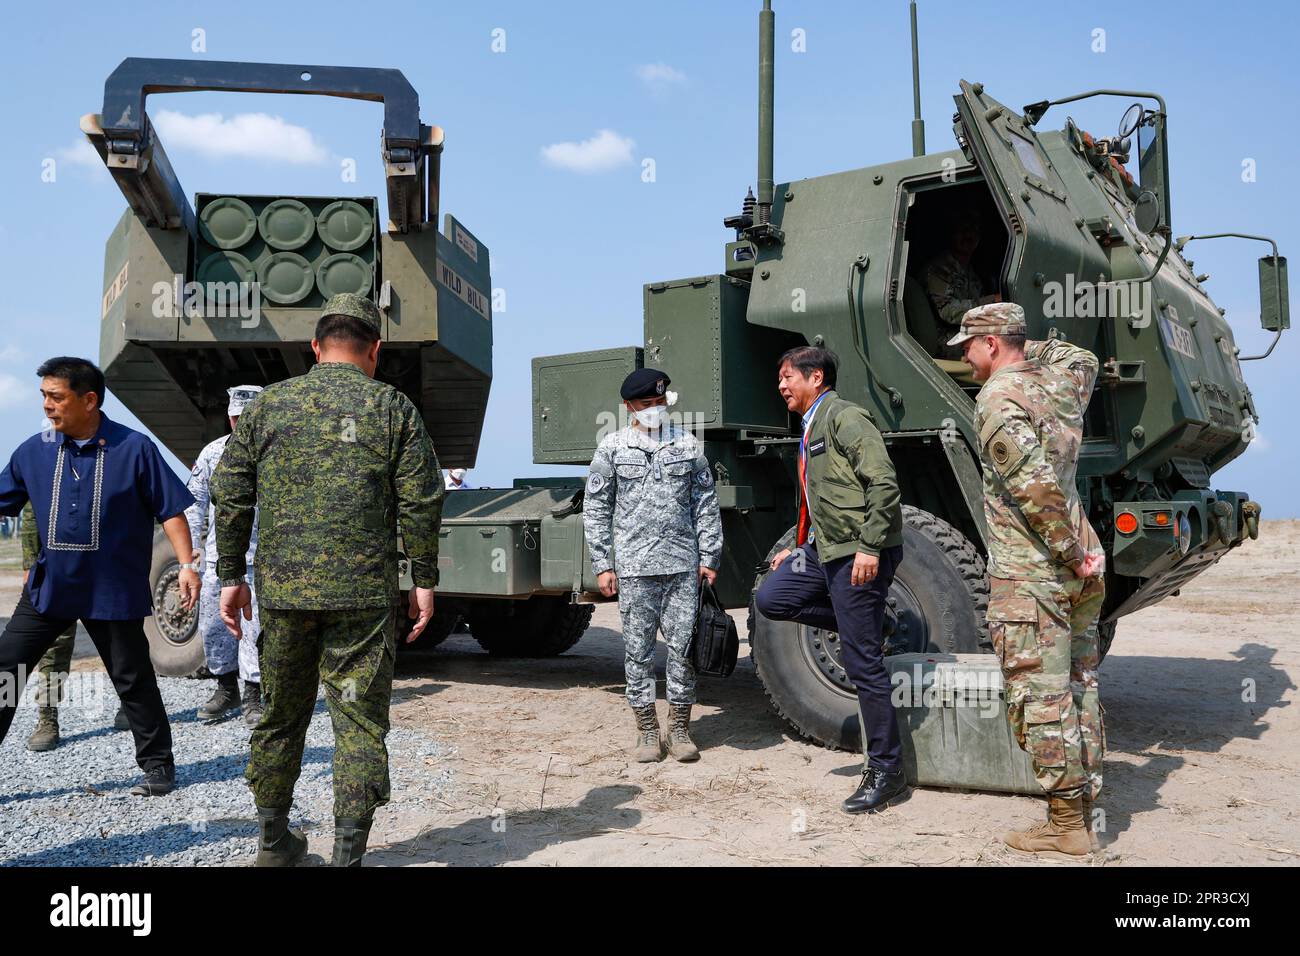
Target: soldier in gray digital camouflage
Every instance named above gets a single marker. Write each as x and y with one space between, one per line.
227 658
650 497
1045 562
950 278
334 462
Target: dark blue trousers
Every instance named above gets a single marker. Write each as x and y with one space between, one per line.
820 595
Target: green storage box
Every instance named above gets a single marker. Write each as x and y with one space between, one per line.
566 563
489 544
953 721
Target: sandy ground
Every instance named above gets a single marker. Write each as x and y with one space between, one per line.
1203 767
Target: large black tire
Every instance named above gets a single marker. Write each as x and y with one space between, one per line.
175 645
541 626
938 604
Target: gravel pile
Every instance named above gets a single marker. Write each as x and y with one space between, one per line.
72 807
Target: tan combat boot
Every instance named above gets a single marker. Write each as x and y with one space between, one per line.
649 742
680 744
1094 843
46 735
1062 832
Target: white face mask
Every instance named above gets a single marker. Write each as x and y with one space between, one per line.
652 417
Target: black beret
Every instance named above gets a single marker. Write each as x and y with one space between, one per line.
644 383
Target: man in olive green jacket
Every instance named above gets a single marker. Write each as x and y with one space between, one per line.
849 541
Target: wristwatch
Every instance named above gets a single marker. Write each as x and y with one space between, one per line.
232 582
192 566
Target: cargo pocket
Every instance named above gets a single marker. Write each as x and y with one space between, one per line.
841 494
1013 628
1044 740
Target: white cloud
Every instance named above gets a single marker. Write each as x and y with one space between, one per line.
604 151
244 135
12 353
80 153
660 77
15 392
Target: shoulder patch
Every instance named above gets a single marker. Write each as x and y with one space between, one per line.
595 482
1002 449
704 478
999 451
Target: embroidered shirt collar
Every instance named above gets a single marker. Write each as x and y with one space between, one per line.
101 437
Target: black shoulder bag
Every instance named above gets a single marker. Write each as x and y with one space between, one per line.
715 643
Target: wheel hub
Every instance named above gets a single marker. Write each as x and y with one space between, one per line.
175 624
905 630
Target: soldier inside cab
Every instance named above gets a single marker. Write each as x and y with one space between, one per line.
951 280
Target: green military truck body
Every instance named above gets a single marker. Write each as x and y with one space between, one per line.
227 291
838 260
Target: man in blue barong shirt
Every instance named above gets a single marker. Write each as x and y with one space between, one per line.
96 488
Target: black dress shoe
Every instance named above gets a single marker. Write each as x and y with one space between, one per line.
878 790
156 782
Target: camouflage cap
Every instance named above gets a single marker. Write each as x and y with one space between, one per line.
996 318
356 306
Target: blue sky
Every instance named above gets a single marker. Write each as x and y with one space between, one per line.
671 81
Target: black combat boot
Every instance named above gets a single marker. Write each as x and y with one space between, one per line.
350 835
46 735
119 719
156 782
879 789
277 845
224 701
680 744
252 703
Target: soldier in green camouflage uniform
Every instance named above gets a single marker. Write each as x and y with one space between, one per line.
335 461
951 281
1045 560
54 666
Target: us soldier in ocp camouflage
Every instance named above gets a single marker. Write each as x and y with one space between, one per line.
334 461
650 496
1045 562
951 281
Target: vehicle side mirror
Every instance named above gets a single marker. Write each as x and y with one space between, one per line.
1274 300
1146 212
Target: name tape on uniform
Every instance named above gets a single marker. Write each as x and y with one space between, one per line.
471 296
